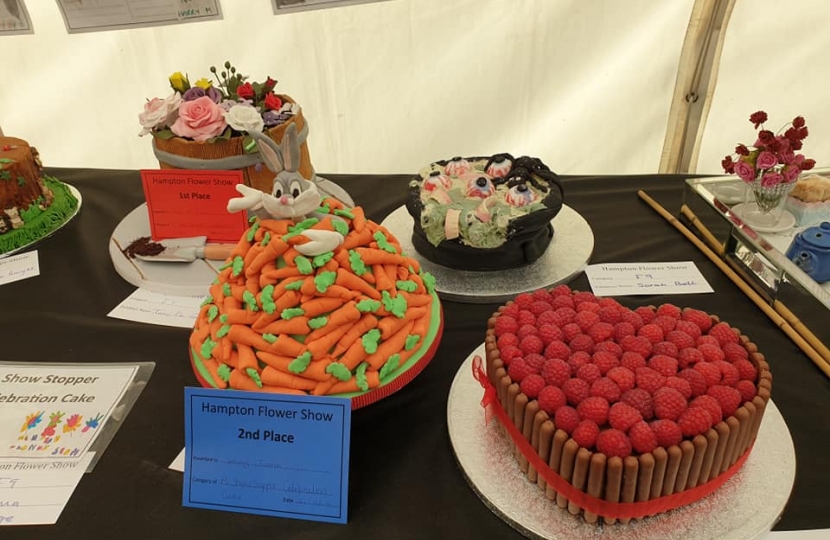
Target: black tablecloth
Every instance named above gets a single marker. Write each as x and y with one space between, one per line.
404 481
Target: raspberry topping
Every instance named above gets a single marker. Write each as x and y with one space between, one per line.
532 385
668 433
642 437
669 404
622 416
586 433
594 408
551 399
694 421
566 418
613 442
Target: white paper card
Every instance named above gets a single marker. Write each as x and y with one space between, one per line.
811 534
178 463
120 14
162 309
287 6
14 18
19 267
623 279
35 493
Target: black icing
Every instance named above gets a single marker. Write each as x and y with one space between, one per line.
528 236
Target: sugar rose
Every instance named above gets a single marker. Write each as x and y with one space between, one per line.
200 119
744 171
159 113
244 118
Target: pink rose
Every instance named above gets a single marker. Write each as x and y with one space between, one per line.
766 160
744 171
771 179
159 113
791 173
199 119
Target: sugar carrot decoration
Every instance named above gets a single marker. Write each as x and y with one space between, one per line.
322 388
274 377
390 346
320 347
359 219
382 281
284 345
367 322
342 387
241 381
297 326
239 333
391 324
342 316
354 355
230 303
357 238
241 316
372 256
351 281
318 306
416 300
213 368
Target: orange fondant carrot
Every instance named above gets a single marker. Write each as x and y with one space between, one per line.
317 306
322 387
274 377
288 299
241 381
391 324
239 333
337 291
225 349
275 226
382 281
242 247
331 266
249 257
378 256
284 272
367 322
269 254
320 347
230 303
354 355
342 387
388 347
415 299
296 326
213 368
285 345
344 315
216 293
282 390
351 281
421 325
252 284
315 370
242 316
359 219
357 238
247 358
391 272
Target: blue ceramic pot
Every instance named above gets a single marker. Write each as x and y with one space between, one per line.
810 251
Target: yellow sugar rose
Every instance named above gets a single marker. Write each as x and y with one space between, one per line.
203 83
179 82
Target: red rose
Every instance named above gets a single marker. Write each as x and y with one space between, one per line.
245 91
808 164
728 165
269 84
798 121
272 102
742 150
758 118
766 136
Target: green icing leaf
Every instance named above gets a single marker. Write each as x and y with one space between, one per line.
6 161
340 226
267 299
411 341
360 376
250 300
223 330
270 338
322 259
370 340
294 285
411 270
265 239
324 280
223 318
383 242
290 313
357 263
406 285
303 265
252 373
339 371
298 228
252 219
344 213
252 232
429 281
318 322
224 372
5 175
226 289
207 347
324 209
299 364
368 304
390 366
396 305
237 265
227 264
207 301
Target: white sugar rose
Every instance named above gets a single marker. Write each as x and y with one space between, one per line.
159 113
244 118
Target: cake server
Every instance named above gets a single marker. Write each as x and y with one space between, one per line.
188 250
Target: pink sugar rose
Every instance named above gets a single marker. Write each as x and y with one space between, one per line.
766 160
790 173
745 171
159 113
200 119
771 179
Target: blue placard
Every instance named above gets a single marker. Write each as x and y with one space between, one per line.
271 454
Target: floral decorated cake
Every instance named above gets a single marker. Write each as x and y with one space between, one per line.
484 213
809 201
32 205
358 320
625 405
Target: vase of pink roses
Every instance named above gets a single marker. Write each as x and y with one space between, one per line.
205 124
770 169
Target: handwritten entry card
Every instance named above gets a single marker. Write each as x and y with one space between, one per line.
269 454
155 308
19 267
622 279
184 203
99 15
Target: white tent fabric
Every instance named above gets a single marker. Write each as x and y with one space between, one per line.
386 87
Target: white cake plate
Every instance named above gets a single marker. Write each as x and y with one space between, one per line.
744 508
180 279
77 195
566 256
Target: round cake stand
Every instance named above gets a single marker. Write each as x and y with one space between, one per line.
568 254
179 278
744 508
77 195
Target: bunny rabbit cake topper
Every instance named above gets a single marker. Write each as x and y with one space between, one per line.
292 196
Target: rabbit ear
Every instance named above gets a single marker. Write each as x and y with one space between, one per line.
270 152
290 149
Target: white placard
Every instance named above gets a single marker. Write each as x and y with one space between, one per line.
36 493
54 411
14 18
178 462
162 309
288 6
623 279
96 15
19 267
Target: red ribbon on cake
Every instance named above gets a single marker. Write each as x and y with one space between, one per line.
616 510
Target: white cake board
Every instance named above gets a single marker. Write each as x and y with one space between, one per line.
180 279
567 255
77 195
745 508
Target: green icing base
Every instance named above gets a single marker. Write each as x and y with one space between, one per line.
64 205
426 343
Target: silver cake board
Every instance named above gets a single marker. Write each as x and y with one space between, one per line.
566 256
744 508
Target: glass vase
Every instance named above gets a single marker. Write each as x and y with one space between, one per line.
764 206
